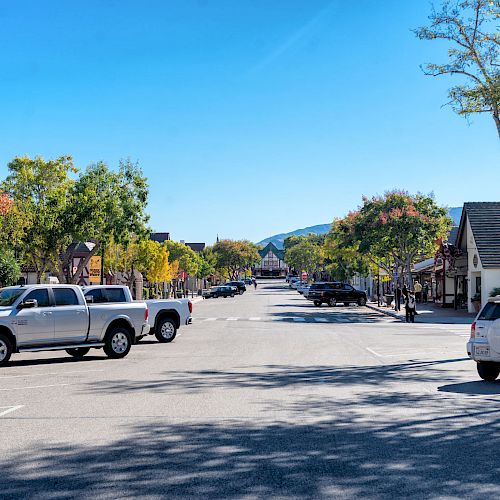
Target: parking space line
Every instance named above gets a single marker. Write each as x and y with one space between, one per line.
9 409
374 353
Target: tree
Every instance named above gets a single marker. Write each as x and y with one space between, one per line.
470 28
391 231
39 192
305 255
233 257
207 263
187 258
9 269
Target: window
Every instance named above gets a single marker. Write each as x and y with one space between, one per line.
65 297
9 295
114 295
96 295
347 287
41 296
490 312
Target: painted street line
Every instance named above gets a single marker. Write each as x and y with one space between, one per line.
232 319
298 319
321 320
33 387
210 319
8 409
51 373
374 353
254 319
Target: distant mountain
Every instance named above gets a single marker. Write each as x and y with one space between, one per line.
278 239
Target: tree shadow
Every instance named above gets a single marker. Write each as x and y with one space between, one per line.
476 388
341 315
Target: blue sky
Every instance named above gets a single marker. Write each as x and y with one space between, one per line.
249 117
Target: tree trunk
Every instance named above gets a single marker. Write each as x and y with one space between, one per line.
497 122
408 271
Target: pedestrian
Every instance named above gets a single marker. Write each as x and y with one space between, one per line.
405 293
399 294
254 283
425 292
410 307
418 292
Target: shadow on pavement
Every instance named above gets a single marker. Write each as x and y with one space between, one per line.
50 361
340 315
476 387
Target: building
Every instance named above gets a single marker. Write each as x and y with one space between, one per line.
272 264
159 237
196 247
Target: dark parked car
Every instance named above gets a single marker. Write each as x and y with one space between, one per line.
334 292
240 285
219 291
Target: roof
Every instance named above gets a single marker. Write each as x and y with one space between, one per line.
424 265
81 247
159 237
484 219
196 247
271 247
452 238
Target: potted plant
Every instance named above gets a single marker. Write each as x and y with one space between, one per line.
476 301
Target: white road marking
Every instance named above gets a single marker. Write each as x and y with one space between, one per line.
33 387
51 373
254 319
210 319
232 319
321 320
9 409
374 353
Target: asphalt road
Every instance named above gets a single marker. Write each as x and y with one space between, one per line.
263 396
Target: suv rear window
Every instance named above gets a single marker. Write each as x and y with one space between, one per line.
490 312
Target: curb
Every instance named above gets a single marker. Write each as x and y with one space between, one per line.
387 313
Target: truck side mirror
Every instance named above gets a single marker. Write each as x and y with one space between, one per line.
89 299
28 304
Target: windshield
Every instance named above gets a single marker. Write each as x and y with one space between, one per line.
9 295
491 312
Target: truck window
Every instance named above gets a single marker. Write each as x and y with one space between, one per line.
96 295
41 296
114 294
490 312
65 297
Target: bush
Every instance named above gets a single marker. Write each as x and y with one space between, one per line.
9 270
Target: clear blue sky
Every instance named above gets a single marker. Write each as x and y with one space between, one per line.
249 117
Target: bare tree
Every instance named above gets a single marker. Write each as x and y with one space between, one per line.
472 27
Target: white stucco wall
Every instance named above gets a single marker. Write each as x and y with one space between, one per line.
491 279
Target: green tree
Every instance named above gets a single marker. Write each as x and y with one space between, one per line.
306 256
233 257
187 258
39 191
207 263
9 269
471 29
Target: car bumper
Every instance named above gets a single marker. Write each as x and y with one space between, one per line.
189 321
480 350
146 327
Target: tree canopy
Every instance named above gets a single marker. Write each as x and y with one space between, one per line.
233 257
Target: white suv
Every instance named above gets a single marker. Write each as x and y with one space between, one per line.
484 343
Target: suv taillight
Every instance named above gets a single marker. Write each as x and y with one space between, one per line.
473 330
190 305
146 314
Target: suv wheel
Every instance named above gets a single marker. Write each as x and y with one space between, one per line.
332 302
317 303
78 352
5 349
117 342
166 330
488 371
361 301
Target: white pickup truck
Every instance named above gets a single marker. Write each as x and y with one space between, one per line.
57 317
166 316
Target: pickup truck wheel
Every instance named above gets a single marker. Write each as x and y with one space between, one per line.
488 371
117 343
166 330
78 352
362 301
317 303
5 349
332 302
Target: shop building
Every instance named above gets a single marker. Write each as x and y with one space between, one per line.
272 264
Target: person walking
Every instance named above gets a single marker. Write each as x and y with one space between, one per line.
425 292
410 307
254 283
418 292
399 294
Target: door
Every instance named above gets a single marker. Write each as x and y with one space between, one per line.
70 317
35 325
348 294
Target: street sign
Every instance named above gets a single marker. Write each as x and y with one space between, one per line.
95 269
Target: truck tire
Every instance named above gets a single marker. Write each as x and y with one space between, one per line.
361 301
78 352
332 302
166 330
5 349
117 342
317 303
488 371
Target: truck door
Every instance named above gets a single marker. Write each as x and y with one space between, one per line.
36 324
70 317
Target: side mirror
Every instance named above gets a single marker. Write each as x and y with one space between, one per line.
89 299
28 304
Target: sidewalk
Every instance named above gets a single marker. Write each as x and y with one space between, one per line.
429 313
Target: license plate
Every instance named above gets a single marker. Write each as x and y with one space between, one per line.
482 351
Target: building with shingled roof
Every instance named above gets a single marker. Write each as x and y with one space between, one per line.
272 264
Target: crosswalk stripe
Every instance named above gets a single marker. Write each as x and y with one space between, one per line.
210 319
254 319
232 319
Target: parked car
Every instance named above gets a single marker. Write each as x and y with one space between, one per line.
289 277
484 343
166 316
293 282
240 285
302 287
220 291
57 317
334 292
248 281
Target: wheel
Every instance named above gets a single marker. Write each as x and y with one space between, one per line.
232 295
166 330
5 349
317 303
117 342
488 371
78 352
332 301
361 301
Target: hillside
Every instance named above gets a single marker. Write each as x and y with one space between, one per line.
278 239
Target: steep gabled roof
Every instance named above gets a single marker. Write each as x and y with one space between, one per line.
271 247
196 247
484 219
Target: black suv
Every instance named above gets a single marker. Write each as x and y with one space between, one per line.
240 285
331 293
